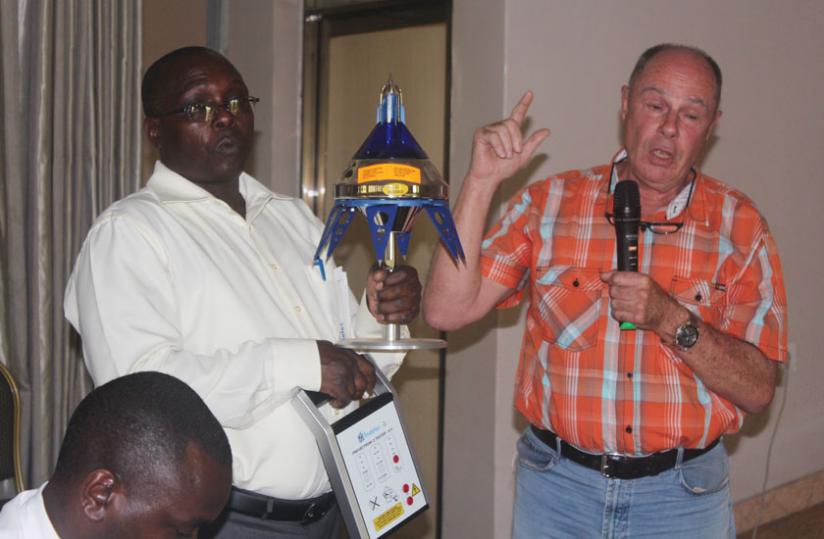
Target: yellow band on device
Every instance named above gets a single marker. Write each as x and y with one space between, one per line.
389 171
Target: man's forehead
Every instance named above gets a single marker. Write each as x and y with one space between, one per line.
678 66
199 70
677 60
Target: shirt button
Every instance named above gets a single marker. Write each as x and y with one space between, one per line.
275 267
298 309
629 375
628 429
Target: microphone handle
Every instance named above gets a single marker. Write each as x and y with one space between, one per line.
627 245
627 252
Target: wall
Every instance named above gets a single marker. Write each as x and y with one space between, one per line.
576 56
470 474
264 42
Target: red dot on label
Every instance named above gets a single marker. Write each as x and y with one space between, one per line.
405 488
396 459
409 500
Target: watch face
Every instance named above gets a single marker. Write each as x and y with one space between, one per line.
686 336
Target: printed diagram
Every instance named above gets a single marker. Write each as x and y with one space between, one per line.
389 494
365 471
379 461
374 461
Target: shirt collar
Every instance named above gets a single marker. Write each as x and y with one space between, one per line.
697 208
171 187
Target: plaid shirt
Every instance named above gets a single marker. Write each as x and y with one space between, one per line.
613 391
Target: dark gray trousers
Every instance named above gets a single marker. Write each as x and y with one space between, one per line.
234 525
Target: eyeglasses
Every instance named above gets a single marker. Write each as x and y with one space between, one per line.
661 227
204 112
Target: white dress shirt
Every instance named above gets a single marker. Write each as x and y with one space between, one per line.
25 517
172 279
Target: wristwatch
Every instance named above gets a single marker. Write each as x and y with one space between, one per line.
687 334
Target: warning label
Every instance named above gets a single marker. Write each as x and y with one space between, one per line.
389 516
389 171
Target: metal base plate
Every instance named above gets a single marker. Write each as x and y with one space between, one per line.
396 345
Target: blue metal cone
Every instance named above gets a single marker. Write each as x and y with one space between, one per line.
390 141
390 181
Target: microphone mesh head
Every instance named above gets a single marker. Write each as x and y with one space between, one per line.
627 196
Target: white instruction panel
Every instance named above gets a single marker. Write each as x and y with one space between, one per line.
380 466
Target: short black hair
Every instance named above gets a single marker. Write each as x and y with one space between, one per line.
654 51
164 69
138 427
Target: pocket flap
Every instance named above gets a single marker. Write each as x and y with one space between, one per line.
585 280
696 291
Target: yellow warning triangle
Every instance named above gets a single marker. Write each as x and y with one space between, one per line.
415 489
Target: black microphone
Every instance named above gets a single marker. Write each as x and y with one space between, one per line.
627 215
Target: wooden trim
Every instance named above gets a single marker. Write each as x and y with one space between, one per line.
779 502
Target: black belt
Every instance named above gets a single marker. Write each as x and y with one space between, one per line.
618 466
264 507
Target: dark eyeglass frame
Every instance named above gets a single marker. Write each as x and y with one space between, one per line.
662 228
233 105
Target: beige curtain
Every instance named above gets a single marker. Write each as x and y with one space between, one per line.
69 147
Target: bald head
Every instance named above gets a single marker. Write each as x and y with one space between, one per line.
651 53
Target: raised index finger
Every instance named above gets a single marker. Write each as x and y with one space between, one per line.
520 110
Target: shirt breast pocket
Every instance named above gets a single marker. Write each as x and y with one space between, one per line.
699 296
568 301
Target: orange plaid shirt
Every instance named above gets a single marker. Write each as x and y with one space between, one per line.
579 375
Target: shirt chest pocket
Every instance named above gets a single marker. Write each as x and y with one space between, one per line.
700 296
568 301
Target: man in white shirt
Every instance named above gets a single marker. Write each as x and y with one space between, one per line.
208 275
142 457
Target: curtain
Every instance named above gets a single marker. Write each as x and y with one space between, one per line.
69 147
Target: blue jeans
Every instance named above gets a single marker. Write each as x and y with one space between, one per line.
555 497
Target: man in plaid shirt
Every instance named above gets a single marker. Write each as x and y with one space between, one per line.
625 425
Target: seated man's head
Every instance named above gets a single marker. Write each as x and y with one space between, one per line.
198 114
143 457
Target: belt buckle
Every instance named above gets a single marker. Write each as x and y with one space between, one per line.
606 460
270 508
604 465
313 513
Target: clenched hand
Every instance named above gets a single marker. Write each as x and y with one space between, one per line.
345 375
